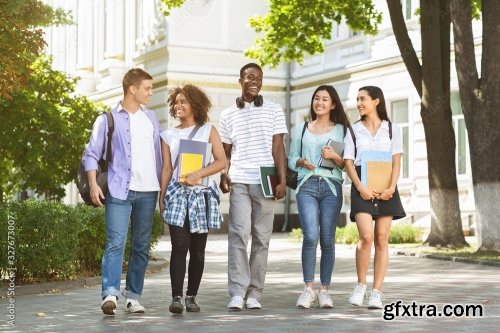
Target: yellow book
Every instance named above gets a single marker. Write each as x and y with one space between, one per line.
379 175
188 164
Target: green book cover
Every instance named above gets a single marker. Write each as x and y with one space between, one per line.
266 171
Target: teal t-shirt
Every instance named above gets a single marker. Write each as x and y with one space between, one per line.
311 149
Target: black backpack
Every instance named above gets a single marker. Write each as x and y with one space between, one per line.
102 168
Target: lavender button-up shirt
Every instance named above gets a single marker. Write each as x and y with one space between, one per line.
119 170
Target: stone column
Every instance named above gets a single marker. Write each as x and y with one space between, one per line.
114 52
85 47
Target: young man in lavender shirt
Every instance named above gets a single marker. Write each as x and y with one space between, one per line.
133 185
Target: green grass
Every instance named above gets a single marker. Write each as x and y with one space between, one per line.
467 252
296 235
470 252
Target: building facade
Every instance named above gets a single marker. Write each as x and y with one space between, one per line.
203 43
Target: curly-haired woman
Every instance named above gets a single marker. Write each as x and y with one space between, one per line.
189 209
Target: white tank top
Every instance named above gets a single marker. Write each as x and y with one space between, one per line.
172 137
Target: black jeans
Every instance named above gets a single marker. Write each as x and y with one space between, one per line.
182 241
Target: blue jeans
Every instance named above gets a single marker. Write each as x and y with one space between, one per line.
319 211
138 209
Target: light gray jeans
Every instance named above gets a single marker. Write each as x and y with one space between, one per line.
251 214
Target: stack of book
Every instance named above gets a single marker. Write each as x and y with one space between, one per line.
376 170
193 155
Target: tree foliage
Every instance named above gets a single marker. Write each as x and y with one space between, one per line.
43 130
22 39
170 4
294 28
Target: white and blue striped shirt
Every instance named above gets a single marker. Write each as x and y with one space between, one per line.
250 131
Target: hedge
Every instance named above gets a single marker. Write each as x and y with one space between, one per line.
53 241
399 234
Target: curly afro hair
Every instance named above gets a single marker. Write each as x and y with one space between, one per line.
199 101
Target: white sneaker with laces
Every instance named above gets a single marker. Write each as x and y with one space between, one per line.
133 306
358 294
253 303
307 297
375 300
324 299
108 305
236 303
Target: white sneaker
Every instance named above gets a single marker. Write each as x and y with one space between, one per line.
253 303
325 301
108 305
358 294
133 306
375 300
236 303
307 297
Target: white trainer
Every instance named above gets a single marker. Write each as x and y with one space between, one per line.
108 305
307 297
375 300
358 294
324 299
253 303
133 306
236 303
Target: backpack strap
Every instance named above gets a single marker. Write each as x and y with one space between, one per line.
349 127
190 137
303 130
111 128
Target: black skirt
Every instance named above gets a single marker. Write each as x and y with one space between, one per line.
376 208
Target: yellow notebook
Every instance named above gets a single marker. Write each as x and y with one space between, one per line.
188 164
379 175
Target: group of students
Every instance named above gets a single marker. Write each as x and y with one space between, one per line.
251 131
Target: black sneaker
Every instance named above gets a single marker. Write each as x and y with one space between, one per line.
177 305
191 304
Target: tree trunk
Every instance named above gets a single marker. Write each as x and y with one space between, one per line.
446 223
480 100
432 82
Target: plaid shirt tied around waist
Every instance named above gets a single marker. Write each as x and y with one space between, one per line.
202 205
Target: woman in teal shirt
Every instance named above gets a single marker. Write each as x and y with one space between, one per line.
319 190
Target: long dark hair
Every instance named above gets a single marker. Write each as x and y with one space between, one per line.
337 115
375 92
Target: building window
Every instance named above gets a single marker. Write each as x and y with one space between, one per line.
409 7
400 116
336 31
462 157
354 33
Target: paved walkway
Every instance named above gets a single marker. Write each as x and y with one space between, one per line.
409 279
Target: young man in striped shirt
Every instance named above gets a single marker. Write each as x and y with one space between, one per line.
252 133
